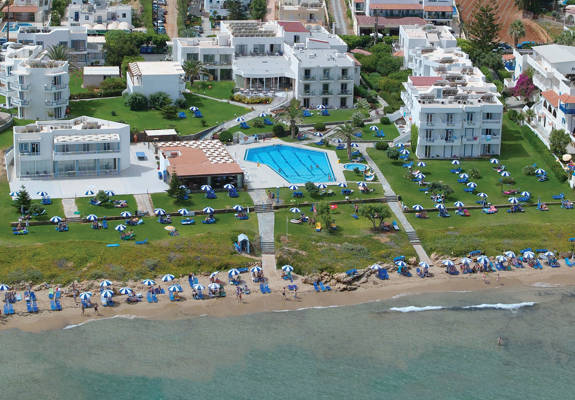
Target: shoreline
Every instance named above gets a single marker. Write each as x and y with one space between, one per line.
372 291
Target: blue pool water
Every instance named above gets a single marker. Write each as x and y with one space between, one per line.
15 26
294 164
353 166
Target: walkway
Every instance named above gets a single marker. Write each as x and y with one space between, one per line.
266 226
144 203
207 26
172 18
395 207
70 208
340 15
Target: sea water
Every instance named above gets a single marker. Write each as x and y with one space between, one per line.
439 346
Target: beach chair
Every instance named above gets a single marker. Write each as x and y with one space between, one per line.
267 288
104 224
244 125
324 288
182 115
455 170
324 113
469 190
211 195
395 226
420 273
380 133
173 297
198 114
29 306
383 274
95 202
407 165
306 113
569 263
149 297
340 146
233 193
267 121
46 201
559 196
316 287
351 272
200 296
358 134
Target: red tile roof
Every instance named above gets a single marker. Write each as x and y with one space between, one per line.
366 21
438 8
398 53
293 27
186 161
354 59
508 57
424 80
551 97
565 98
22 9
398 6
361 51
360 1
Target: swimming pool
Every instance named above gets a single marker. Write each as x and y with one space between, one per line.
15 26
294 164
353 166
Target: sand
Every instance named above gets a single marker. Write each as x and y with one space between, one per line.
373 290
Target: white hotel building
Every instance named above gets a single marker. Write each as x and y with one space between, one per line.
458 114
34 84
110 14
82 146
278 56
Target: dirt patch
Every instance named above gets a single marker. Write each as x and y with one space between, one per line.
382 239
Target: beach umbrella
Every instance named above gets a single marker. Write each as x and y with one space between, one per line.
513 200
14 194
418 207
238 208
423 264
566 157
421 164
110 193
89 193
321 186
509 254
120 228
362 184
214 274
463 176
295 210
404 152
92 217
375 267
529 255
233 272
373 128
126 290
105 283
342 185
540 171
505 173
183 211
149 282
167 278
287 268
420 176
440 206
320 107
472 185
206 188
170 228
240 119
4 287
466 261
354 145
263 115
455 162
229 186
459 204
106 293
549 254
338 140
42 194
159 211
199 287
293 187
214 286
175 288
399 145
482 195
55 219
256 269
525 194
483 260
208 210
183 187
501 259
126 214
448 263
318 134
194 108
494 161
401 264
85 295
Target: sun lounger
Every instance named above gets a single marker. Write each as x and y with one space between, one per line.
262 288
188 221
244 125
408 165
382 274
198 114
538 265
569 263
267 121
340 146
455 171
553 263
541 250
351 272
145 241
211 195
316 287
395 226
324 288
420 273
465 180
559 196
233 193
306 113
325 113
29 306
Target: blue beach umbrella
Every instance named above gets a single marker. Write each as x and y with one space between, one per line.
183 212
459 204
342 185
293 187
455 162
159 211
483 260
463 176
107 294
399 145
549 254
208 210
126 214
229 186
418 207
149 282
540 171
92 217
263 115
320 107
295 210
199 287
509 254
318 134
175 288
194 108
287 268
354 145
362 184
420 176
105 283
233 272
500 258
373 128
505 173
120 228
338 140
14 194
472 185
214 274
4 287
423 264
89 193
256 269
183 187
494 161
440 206
126 290
85 295
42 194
525 194
421 164
375 267
482 195
240 119
55 219
238 208
167 278
466 261
206 188
448 263
401 264
321 186
529 255
513 200
110 193
404 152
214 286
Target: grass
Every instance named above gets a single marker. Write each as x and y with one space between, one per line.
106 210
287 198
252 129
353 245
492 233
335 116
114 109
218 89
198 201
147 14
76 82
7 137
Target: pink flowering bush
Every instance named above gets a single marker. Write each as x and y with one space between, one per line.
524 86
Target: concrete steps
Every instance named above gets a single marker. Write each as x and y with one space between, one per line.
263 208
268 247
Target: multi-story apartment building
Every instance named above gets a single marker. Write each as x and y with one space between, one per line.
458 114
75 38
218 7
28 11
36 85
278 55
553 68
82 146
99 12
148 77
305 11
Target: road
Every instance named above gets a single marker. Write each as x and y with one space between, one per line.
338 10
172 18
271 13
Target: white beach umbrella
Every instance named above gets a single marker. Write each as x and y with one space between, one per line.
263 115
320 107
318 134
482 195
448 263
455 162
175 288
421 164
183 187
293 187
466 261
459 204
494 161
420 176
233 272
463 176
256 269
214 286
199 287
105 283
354 145
509 254
540 171
126 214
501 259
208 210
375 267
238 208
4 287
110 193
159 211
194 108
206 188
505 173
483 260
513 200
14 194
423 264
440 206
295 210
373 128
404 152
167 278
401 264
55 219
42 194
183 212
418 207
89 193
106 294
85 295
525 194
229 186
472 185
338 140
321 186
92 217
362 184
529 255
287 268
214 274
120 227
342 185
240 119
126 290
149 282
549 254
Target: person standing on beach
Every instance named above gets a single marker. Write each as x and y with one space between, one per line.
284 292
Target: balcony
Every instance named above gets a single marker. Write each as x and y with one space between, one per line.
19 102
55 88
325 78
346 92
56 103
66 153
326 92
309 92
23 87
566 110
308 78
345 78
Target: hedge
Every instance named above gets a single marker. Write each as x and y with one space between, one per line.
546 155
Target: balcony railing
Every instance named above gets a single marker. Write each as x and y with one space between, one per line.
345 92
64 153
308 78
19 102
566 110
345 78
22 86
326 92
325 78
53 88
54 103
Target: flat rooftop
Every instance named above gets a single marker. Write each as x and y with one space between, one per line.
156 68
103 70
262 67
556 53
103 138
79 123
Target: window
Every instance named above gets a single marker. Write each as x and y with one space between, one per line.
427 151
296 38
29 148
344 88
449 134
306 102
469 117
428 134
87 17
325 88
123 15
192 56
58 112
449 119
343 102
468 132
209 58
226 59
325 101
306 88
344 73
429 119
40 43
326 73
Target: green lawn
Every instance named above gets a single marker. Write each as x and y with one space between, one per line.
76 82
198 201
214 113
252 129
7 137
107 210
335 116
286 195
353 245
218 89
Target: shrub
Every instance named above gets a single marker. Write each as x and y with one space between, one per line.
393 153
279 130
357 119
319 126
137 102
160 100
382 145
558 141
170 112
112 85
258 123
414 137
181 103
311 188
474 173
384 121
512 114
389 109
559 172
226 137
529 170
102 197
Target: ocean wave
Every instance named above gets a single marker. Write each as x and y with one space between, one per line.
416 309
496 306
124 316
397 296
545 285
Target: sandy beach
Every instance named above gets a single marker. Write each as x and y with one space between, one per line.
373 290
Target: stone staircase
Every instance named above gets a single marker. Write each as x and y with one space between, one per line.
413 238
268 247
263 208
390 198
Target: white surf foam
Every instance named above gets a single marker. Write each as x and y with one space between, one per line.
501 306
545 285
99 319
416 309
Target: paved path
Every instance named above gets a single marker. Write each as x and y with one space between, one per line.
339 13
144 203
172 18
70 208
207 26
266 227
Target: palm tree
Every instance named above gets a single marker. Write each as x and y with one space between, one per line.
363 106
293 113
529 115
516 31
194 69
60 53
346 131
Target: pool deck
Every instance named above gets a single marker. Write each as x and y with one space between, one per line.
265 177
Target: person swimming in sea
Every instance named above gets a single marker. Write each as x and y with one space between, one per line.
499 341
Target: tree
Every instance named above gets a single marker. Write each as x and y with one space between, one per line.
529 115
258 9
483 28
516 31
119 44
174 185
169 112
193 70
58 52
357 118
324 214
182 194
566 37
235 9
529 5
393 153
226 137
376 214
311 188
346 130
22 201
112 86
414 138
558 141
102 197
524 86
362 105
137 102
293 113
